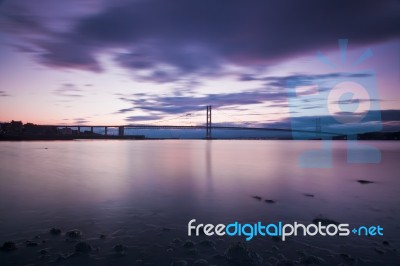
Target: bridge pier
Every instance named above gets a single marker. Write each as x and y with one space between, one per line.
91 130
121 131
79 130
105 131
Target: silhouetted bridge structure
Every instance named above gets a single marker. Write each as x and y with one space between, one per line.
208 128
121 129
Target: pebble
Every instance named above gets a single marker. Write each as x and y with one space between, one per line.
177 241
324 221
8 246
312 260
43 251
285 263
207 243
119 248
31 243
238 254
83 248
179 263
55 231
73 233
380 251
201 262
188 244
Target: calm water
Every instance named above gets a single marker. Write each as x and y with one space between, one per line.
126 188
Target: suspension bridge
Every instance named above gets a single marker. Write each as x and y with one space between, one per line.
192 121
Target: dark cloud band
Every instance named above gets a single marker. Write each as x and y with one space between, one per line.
165 40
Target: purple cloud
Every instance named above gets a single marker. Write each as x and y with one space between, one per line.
164 41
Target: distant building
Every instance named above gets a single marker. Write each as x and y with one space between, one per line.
65 131
14 127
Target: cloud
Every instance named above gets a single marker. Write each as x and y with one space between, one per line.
68 90
81 120
273 93
4 94
164 41
139 118
280 81
185 104
67 55
355 101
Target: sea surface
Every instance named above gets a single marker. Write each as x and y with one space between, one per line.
142 194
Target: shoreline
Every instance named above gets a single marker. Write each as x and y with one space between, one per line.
144 138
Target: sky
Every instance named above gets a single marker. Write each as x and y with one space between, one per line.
258 63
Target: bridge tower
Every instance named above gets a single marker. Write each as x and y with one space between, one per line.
208 123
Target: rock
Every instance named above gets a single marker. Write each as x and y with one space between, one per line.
269 201
256 197
74 234
44 251
192 252
102 236
312 260
189 244
324 221
177 241
347 257
364 182
119 248
238 254
31 243
179 263
385 243
201 262
55 231
166 229
60 258
273 260
380 251
219 257
308 195
207 244
285 262
83 248
8 246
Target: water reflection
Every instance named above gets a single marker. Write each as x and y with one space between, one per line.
139 182
209 170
